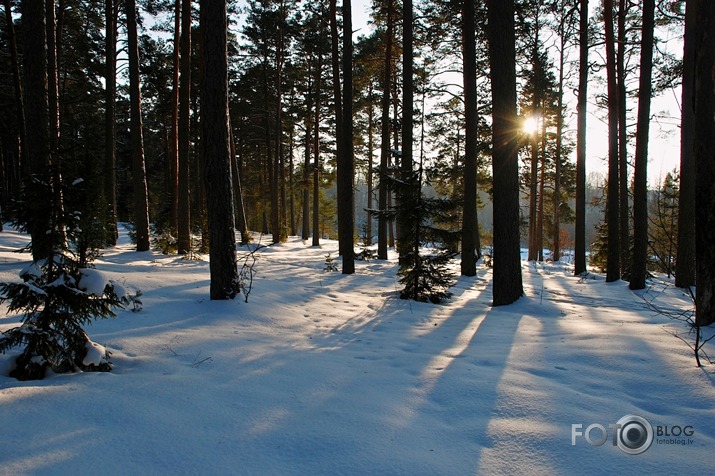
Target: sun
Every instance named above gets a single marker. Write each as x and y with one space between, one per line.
530 124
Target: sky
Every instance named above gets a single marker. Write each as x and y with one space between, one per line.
664 141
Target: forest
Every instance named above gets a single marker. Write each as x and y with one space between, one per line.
357 237
399 137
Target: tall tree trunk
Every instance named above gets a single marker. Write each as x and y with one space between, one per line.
53 101
110 135
582 106
338 109
216 150
685 263
173 158
639 260
470 225
623 215
37 147
613 266
184 134
291 184
536 114
141 199
406 227
396 136
316 152
370 150
382 221
52 86
19 101
277 183
705 159
36 85
239 208
542 195
305 228
533 190
507 284
556 237
346 166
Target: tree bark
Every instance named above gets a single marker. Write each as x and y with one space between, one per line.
705 159
507 285
141 199
613 266
623 194
685 263
35 78
277 166
639 260
110 134
556 239
370 174
184 135
470 224
37 147
305 228
173 158
52 87
337 95
582 106
216 150
407 230
17 83
542 195
382 221
536 114
346 166
239 208
316 152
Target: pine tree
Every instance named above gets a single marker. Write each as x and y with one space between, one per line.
580 238
612 205
470 222
639 258
57 297
704 139
426 248
502 59
216 151
663 224
685 272
141 199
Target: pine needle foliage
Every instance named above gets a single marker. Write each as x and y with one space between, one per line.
56 296
425 249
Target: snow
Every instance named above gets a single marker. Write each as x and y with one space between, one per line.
119 290
95 354
322 373
92 281
32 270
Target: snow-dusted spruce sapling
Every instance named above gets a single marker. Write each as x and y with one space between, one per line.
426 243
330 264
57 297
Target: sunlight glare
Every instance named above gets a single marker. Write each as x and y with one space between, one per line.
530 125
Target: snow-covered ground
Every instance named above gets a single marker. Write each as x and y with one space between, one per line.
321 373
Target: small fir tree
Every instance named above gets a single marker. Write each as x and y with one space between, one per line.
57 296
599 248
663 229
426 248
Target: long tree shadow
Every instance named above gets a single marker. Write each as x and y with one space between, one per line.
388 393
